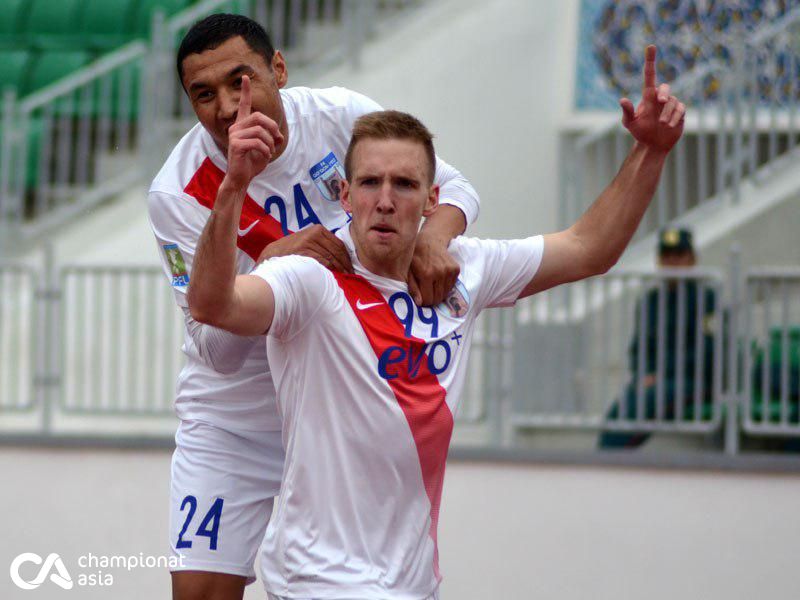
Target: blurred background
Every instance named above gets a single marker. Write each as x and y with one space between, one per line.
634 434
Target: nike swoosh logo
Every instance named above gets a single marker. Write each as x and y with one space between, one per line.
360 306
244 232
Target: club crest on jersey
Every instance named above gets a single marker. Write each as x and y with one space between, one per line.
328 175
177 266
457 301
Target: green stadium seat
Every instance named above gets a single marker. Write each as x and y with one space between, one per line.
107 24
146 8
53 24
54 65
12 11
15 67
770 408
10 25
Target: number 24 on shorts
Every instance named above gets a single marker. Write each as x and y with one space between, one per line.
209 527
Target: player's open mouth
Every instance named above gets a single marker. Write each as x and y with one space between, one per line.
384 229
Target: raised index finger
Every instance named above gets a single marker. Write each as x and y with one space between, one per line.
245 100
649 67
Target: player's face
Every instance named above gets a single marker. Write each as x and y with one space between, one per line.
213 81
389 194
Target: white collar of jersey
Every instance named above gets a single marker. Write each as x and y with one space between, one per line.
344 235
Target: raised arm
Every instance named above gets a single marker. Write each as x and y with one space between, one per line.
596 241
242 304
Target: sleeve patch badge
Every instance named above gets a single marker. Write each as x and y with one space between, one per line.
328 175
457 301
177 266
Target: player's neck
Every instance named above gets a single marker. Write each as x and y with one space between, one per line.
384 265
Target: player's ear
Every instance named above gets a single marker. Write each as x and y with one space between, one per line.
431 202
344 196
279 69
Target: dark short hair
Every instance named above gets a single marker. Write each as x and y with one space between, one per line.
215 30
390 125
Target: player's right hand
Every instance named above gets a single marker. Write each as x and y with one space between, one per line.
659 119
252 140
315 242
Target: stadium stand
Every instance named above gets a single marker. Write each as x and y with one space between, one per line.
52 25
49 66
12 11
107 24
14 68
146 8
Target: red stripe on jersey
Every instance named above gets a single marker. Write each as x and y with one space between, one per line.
422 398
204 186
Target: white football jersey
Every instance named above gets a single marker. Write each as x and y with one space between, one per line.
300 188
368 384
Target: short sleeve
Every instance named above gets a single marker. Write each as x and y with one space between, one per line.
455 190
359 104
504 267
355 105
301 286
177 224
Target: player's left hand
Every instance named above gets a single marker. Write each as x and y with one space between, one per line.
433 271
658 120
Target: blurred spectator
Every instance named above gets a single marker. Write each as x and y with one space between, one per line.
675 250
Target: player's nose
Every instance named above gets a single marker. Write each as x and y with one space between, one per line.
228 106
385 201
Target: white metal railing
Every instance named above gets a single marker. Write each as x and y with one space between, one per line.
629 351
17 337
771 349
680 351
741 123
106 340
122 335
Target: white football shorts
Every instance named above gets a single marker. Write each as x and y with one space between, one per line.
222 492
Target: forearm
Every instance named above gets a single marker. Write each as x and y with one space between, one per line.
446 223
607 227
211 294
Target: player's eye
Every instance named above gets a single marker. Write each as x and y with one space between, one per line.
406 183
369 181
203 96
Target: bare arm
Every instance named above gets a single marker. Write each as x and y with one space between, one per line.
595 242
433 271
242 304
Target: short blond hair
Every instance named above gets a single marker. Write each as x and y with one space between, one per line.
390 125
